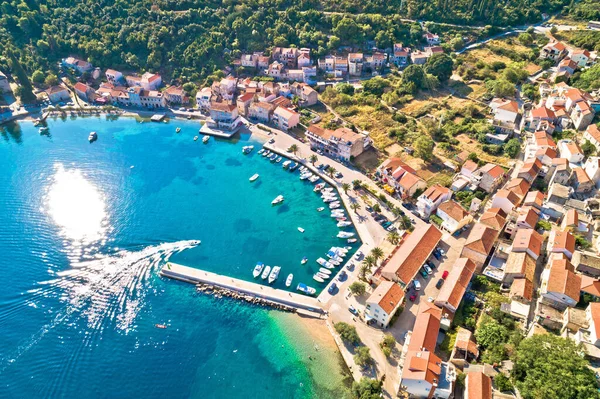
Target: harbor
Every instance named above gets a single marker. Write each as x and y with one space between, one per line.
303 304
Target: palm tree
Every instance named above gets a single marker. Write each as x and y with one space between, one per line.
313 159
393 237
294 148
377 253
356 184
367 263
345 187
364 269
330 170
355 207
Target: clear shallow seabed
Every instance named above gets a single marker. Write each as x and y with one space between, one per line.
84 229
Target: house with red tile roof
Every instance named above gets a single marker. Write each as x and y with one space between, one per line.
404 265
530 170
285 119
571 151
546 155
527 217
592 134
582 115
506 113
541 118
561 242
456 284
519 265
428 202
400 176
454 216
479 244
383 303
593 317
494 218
520 186
580 57
560 284
554 50
465 349
580 181
506 200
534 199
489 177
529 241
83 91
478 386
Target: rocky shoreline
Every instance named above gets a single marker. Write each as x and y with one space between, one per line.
220 292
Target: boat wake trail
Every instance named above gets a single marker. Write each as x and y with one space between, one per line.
106 292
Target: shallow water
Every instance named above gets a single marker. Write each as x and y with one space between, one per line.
84 231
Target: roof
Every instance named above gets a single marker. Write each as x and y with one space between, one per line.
341 134
246 97
222 106
528 239
594 310
435 192
494 171
469 165
563 280
285 112
556 45
542 113
388 295
175 90
534 198
55 89
494 218
571 218
528 215
586 259
81 87
506 105
454 210
456 283
478 386
546 151
590 285
543 139
464 341
521 264
481 239
260 104
414 251
572 147
562 240
519 186
593 131
509 195
426 328
522 288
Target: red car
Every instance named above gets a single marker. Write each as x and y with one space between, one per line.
445 274
412 297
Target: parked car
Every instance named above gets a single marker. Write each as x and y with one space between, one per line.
412 297
430 264
358 255
271 141
439 284
417 285
391 228
445 274
332 288
342 276
369 209
437 255
353 310
424 273
338 175
428 269
386 225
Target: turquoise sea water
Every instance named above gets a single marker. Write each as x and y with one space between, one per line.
84 229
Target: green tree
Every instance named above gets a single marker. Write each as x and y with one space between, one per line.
51 80
393 237
38 77
313 159
367 388
345 187
377 253
588 148
440 66
502 383
512 148
362 356
490 333
357 288
355 206
293 149
549 366
500 88
347 333
526 39
345 88
376 208
424 147
414 74
356 184
376 86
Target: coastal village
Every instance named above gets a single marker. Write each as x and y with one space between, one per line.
513 248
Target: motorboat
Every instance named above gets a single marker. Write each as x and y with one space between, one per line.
303 169
258 269
265 272
306 289
318 279
300 229
345 234
286 164
254 177
321 209
341 218
340 251
261 150
337 215
323 275
305 176
279 199
274 274
247 149
294 166
43 130
319 187
304 260
325 271
273 157
313 179
325 263
93 137
178 130
289 279
205 139
343 224
352 240
195 138
278 159
266 153
329 199
334 205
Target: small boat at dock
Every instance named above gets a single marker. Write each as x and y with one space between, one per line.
279 199
286 164
293 167
265 272
273 158
300 229
334 205
258 269
254 177
319 187
306 289
313 179
318 279
343 224
345 234
325 271
266 153
247 149
205 139
304 260
352 240
323 275
278 159
274 274
289 279
93 137
261 151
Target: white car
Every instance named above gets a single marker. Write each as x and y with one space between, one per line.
358 255
428 269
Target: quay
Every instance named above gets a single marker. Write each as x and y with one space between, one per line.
303 304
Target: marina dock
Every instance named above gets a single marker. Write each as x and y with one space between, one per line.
305 305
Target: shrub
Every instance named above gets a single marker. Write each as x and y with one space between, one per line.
362 356
347 332
357 288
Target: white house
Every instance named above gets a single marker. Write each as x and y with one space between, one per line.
453 215
571 151
114 77
4 84
592 134
581 57
384 302
203 98
560 285
285 118
506 112
592 169
429 201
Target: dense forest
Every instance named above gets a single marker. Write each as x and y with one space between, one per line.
189 39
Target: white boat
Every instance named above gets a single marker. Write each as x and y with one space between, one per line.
265 272
289 279
247 149
334 205
286 164
293 167
266 153
352 240
178 130
306 289
300 229
337 215
325 271
321 209
273 157
278 159
305 176
327 264
323 275
205 139
345 234
343 224
279 199
329 199
93 137
258 269
319 187
318 279
313 179
340 251
304 260
274 274
195 138
43 130
254 177
261 150
328 189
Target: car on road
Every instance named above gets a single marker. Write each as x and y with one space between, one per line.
386 225
424 273
413 297
441 251
430 264
332 288
439 283
353 310
350 266
445 274
437 255
428 269
369 209
417 285
430 299
271 141
391 228
338 175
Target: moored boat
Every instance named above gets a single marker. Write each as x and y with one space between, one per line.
304 260
261 151
205 139
345 234
178 130
313 179
343 224
258 269
289 279
278 159
319 187
265 272
274 274
286 164
293 167
334 205
266 153
93 137
195 138
273 157
318 279
247 149
325 271
323 275
279 199
352 240
43 130
254 177
306 289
